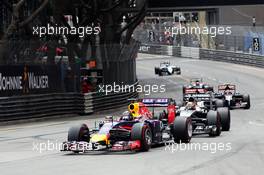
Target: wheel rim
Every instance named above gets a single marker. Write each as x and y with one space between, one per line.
148 137
189 128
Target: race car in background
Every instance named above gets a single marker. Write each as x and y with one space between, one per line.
197 84
231 98
167 69
136 130
207 117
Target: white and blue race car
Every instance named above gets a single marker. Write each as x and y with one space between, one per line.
167 69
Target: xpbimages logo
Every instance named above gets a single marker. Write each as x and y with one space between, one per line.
213 31
62 30
117 88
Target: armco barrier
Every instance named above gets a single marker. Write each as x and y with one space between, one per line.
232 57
95 102
160 50
206 54
49 105
40 106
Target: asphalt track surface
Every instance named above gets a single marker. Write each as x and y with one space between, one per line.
246 138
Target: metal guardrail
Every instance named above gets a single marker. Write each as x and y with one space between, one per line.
232 57
95 102
39 106
207 54
160 50
49 105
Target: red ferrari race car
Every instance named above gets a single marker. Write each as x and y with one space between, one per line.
137 129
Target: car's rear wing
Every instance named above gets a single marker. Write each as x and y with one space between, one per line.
198 97
206 98
227 88
194 91
156 102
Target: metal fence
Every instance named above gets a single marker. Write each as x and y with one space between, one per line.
61 104
242 39
96 102
205 54
40 106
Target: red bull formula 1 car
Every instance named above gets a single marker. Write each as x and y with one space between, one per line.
138 129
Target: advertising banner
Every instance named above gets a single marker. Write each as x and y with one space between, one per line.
33 79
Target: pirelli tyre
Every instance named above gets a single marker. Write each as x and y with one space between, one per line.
225 118
157 70
246 98
211 88
79 133
142 132
179 72
219 103
182 129
213 119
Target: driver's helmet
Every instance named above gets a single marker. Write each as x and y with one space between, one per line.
191 103
191 99
228 90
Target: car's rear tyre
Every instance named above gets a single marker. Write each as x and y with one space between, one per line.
182 129
214 119
79 133
225 118
211 88
157 70
246 98
219 103
143 133
161 73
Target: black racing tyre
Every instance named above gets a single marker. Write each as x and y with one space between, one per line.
225 118
213 119
161 73
79 133
219 103
143 133
157 70
178 71
246 98
211 88
182 129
